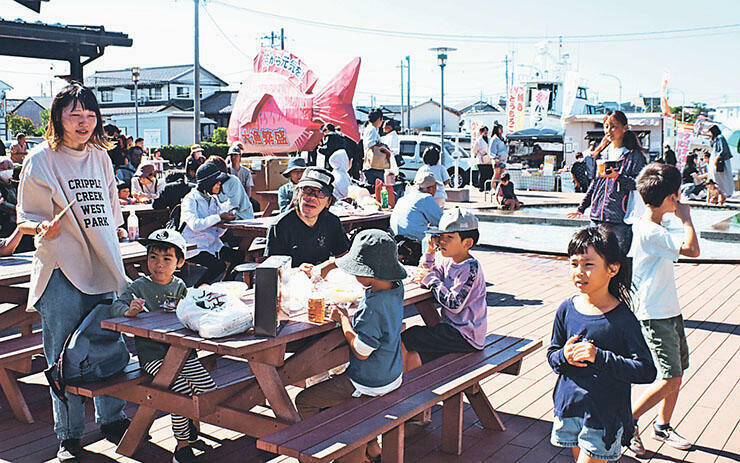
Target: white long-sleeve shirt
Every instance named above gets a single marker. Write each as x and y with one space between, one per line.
480 149
200 214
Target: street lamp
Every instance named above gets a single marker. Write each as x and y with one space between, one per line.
135 77
442 62
620 87
683 105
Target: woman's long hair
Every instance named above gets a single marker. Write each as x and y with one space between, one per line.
630 140
75 94
606 245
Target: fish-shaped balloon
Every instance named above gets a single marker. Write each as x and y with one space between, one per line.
277 111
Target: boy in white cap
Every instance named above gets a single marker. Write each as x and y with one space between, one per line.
160 290
457 282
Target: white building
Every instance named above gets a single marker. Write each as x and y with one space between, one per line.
728 114
425 117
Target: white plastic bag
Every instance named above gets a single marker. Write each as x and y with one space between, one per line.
217 310
297 291
635 208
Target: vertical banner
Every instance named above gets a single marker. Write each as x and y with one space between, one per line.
665 109
538 107
474 128
515 110
684 132
570 90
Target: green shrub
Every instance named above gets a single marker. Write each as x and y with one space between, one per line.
176 154
219 135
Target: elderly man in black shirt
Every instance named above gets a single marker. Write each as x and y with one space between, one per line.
309 233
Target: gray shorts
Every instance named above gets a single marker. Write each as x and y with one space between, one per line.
667 342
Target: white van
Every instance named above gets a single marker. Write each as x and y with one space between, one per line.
412 148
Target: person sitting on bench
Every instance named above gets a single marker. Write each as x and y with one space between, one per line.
373 334
458 284
161 290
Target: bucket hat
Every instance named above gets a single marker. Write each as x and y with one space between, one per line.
293 164
195 149
455 220
166 236
424 179
235 149
319 178
208 174
373 254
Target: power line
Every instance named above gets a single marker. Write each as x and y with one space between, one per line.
223 34
628 36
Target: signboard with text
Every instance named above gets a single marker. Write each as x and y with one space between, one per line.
515 110
538 107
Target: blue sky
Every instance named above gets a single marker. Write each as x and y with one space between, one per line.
702 65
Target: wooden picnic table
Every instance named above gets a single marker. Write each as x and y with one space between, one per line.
268 199
15 273
264 377
248 230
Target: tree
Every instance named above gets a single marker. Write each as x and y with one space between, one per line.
219 135
44 122
691 113
18 124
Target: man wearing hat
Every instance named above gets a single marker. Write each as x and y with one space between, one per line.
293 173
201 214
308 232
413 214
373 333
234 163
193 162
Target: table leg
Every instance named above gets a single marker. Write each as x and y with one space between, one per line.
274 390
483 409
392 450
428 312
171 367
452 421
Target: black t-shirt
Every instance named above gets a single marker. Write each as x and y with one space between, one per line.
290 236
686 174
508 190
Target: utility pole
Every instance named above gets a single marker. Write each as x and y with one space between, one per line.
401 66
196 79
506 60
282 38
408 94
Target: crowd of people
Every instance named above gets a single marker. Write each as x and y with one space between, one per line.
623 326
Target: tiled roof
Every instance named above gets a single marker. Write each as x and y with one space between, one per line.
161 75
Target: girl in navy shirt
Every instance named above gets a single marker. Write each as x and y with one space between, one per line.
598 351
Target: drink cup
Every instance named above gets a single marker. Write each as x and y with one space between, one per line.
600 167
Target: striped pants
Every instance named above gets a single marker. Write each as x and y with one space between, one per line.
193 379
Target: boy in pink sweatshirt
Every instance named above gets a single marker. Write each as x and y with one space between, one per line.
457 282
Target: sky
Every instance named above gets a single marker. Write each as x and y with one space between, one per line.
702 65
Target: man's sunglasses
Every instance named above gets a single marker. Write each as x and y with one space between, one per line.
311 191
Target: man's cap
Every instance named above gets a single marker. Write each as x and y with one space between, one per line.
294 164
195 149
208 174
424 179
235 149
146 167
455 220
319 178
166 236
373 254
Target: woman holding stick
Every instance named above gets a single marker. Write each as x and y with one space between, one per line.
78 258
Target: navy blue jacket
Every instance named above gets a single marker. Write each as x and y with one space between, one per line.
608 196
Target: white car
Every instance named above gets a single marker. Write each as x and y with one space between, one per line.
412 148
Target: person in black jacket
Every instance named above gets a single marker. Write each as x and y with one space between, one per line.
331 142
355 153
669 156
174 190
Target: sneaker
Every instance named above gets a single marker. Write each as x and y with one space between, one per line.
113 432
636 444
69 450
671 437
184 455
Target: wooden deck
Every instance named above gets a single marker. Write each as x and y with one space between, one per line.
524 292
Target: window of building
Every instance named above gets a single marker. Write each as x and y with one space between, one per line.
408 148
106 96
155 93
183 92
581 94
133 94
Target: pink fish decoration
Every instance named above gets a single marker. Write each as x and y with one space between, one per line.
277 111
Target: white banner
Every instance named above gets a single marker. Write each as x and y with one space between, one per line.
515 110
538 107
570 90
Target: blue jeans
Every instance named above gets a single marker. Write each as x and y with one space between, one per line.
571 432
62 306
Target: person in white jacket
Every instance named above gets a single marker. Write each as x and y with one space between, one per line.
483 158
201 215
339 162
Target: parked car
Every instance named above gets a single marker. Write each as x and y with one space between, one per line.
412 148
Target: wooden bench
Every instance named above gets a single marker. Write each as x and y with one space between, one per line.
16 353
344 430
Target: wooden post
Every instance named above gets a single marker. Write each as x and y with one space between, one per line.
452 421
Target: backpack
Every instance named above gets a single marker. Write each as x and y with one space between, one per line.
90 353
